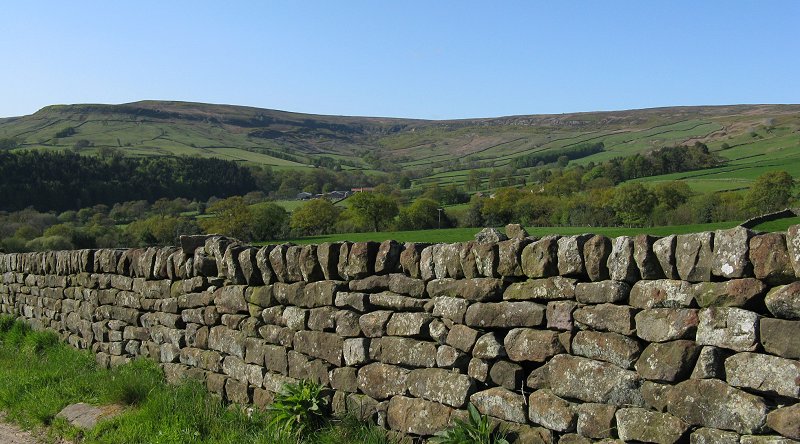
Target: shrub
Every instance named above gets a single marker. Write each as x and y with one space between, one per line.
299 408
475 430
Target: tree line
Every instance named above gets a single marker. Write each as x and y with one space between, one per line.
65 180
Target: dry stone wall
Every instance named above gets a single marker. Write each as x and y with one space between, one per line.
562 339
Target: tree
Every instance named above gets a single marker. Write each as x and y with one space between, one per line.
422 214
372 209
770 192
231 217
316 216
633 203
671 194
269 221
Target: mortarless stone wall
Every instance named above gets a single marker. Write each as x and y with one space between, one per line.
563 339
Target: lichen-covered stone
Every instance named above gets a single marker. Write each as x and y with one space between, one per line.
397 302
407 351
559 314
546 289
490 236
509 257
731 253
486 259
601 292
666 324
488 347
477 289
764 373
637 424
441 386
606 317
548 410
516 231
779 337
770 258
732 293
668 361
609 347
664 249
786 421
662 293
570 255
462 337
540 258
328 257
505 314
525 344
417 416
645 258
382 381
784 301
710 363
713 403
728 327
506 374
693 256
593 381
621 264
595 420
705 435
387 259
500 403
595 257
373 324
327 346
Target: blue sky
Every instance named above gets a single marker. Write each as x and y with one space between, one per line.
425 59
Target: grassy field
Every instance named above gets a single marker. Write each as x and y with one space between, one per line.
40 375
753 138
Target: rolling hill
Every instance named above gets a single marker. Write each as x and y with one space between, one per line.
752 138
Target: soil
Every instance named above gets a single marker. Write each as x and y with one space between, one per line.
11 434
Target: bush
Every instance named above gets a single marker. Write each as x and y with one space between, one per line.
299 408
476 430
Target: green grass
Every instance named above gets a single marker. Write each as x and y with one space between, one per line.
777 225
40 375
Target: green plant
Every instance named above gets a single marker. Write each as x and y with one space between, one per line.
475 430
130 384
299 408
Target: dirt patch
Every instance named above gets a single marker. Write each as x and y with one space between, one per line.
11 434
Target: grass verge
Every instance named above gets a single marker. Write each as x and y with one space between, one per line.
39 376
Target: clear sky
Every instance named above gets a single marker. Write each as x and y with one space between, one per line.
425 59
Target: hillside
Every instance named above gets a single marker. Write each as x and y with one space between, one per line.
752 138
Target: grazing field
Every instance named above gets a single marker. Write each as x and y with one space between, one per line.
751 138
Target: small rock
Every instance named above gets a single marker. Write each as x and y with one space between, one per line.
85 416
490 235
